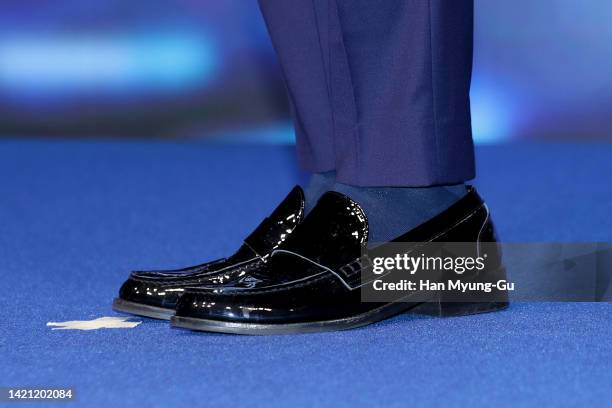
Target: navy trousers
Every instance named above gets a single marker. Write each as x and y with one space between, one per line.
379 89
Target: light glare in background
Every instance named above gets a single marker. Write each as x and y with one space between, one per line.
493 117
57 65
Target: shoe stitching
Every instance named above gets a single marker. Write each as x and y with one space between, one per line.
249 263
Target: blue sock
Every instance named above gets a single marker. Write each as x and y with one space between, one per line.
319 184
392 211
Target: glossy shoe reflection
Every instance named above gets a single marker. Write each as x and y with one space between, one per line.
311 283
155 293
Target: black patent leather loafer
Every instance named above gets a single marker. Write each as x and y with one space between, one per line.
311 283
155 293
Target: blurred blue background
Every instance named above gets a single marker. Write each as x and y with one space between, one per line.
202 68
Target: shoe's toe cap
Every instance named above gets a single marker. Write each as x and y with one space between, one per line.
151 293
234 305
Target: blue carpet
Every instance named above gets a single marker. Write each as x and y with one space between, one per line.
76 216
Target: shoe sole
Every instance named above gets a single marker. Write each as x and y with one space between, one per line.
154 312
373 316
